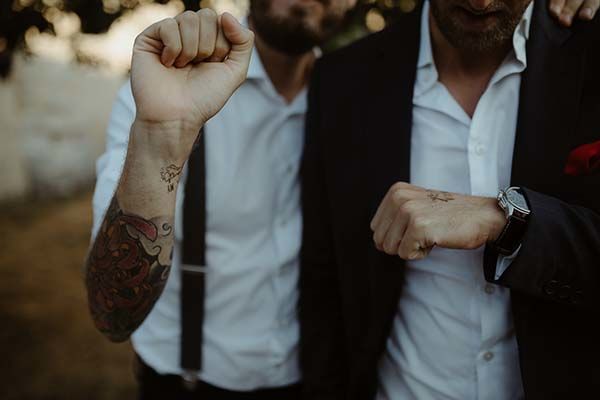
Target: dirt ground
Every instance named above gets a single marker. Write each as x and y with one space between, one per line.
49 347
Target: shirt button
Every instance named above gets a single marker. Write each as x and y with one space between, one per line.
479 149
488 355
489 289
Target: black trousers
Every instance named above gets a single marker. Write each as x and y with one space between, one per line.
154 386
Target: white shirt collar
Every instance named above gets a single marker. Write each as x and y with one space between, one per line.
256 70
521 35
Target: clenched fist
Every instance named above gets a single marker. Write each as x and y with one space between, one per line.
183 71
411 220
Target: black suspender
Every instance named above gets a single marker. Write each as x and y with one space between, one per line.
193 266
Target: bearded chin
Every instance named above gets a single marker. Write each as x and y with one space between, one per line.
283 37
289 35
480 42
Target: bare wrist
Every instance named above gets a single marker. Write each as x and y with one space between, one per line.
497 219
165 141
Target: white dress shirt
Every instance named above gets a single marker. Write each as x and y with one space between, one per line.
253 150
453 335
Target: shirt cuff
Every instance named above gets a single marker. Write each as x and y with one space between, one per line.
504 262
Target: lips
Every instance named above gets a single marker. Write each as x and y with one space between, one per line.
478 19
479 14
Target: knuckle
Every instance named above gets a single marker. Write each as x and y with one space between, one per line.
398 186
572 6
169 23
372 224
188 16
208 13
398 198
407 208
377 238
403 254
389 248
419 222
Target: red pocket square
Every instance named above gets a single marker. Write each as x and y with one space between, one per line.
584 160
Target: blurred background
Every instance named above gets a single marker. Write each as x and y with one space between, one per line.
61 63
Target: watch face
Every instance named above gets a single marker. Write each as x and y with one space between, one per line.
517 199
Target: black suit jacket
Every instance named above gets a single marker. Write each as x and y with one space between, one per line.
358 144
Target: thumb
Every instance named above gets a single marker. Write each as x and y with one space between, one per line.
241 39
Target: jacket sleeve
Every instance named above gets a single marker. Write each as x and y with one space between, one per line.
559 259
321 337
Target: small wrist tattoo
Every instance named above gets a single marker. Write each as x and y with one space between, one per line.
439 196
170 175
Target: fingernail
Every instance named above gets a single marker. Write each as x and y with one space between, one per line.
566 19
587 13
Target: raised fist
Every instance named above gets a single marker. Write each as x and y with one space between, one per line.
184 69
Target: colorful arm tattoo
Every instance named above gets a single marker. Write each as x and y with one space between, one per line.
126 270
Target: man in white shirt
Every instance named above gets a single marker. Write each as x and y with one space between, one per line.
253 221
183 71
416 282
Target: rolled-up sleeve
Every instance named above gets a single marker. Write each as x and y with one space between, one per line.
110 164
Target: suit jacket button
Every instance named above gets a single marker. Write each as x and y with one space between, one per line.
564 292
551 287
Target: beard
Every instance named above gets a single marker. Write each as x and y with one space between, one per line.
293 34
495 36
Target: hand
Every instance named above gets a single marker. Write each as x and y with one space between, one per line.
184 69
566 10
411 220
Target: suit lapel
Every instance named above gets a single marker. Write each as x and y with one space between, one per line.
389 117
387 133
549 101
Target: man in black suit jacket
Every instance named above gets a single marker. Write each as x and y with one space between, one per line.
358 147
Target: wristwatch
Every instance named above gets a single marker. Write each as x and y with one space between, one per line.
515 207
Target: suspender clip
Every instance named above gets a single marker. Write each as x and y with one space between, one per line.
195 269
189 379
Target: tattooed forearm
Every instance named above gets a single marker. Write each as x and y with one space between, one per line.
170 175
440 196
126 270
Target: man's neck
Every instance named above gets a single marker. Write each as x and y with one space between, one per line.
289 74
466 74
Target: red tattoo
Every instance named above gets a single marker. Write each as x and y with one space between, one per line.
125 274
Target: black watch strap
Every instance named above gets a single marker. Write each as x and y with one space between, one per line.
510 239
